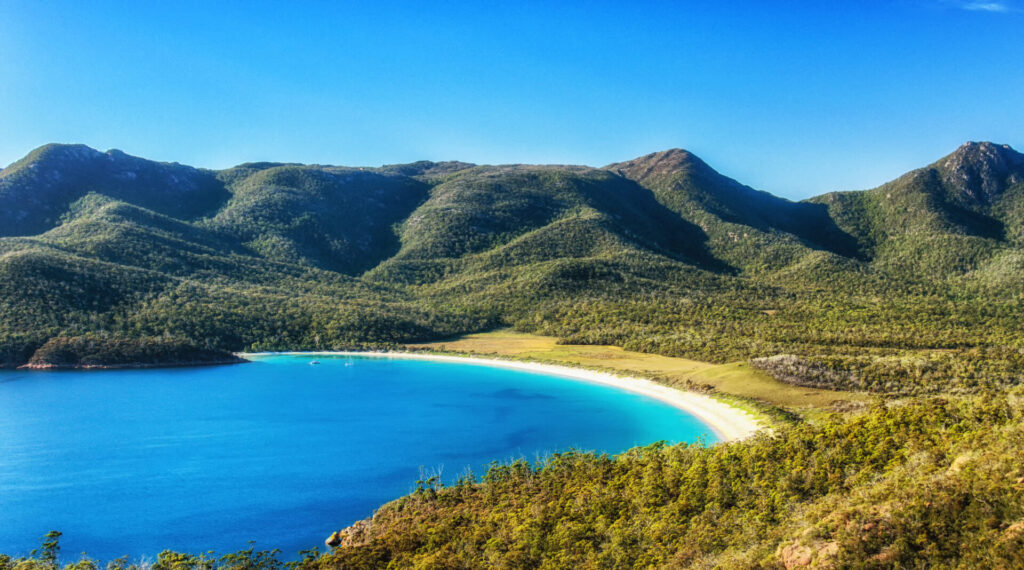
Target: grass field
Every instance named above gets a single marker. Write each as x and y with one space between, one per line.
735 379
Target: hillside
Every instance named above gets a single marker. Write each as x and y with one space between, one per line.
892 315
949 218
907 288
931 484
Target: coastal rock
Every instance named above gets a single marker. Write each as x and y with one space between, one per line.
333 540
356 535
818 555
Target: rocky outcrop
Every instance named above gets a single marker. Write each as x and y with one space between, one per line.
658 164
798 371
356 535
333 540
817 555
981 171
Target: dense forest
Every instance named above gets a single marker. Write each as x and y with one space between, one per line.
94 351
909 288
910 291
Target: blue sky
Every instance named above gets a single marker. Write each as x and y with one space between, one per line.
796 98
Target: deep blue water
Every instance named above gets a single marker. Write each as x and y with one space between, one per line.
131 462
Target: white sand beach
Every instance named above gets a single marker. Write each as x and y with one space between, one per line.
729 423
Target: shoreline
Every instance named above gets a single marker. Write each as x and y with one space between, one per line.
129 366
727 422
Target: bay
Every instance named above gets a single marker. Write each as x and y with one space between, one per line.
278 451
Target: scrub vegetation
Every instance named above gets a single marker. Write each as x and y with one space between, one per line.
908 295
910 288
933 482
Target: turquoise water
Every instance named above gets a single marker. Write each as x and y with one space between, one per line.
131 462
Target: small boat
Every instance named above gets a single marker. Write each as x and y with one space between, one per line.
314 362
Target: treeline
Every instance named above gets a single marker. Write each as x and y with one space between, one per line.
101 350
918 341
910 345
104 351
16 349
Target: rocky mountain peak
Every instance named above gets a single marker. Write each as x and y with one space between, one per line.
658 164
982 170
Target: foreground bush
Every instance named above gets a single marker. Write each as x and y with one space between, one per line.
932 483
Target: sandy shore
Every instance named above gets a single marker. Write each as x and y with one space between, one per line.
727 422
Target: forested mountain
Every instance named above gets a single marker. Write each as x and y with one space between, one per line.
39 189
912 286
949 218
907 289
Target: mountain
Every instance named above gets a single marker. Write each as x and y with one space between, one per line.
980 173
875 289
951 217
752 229
911 291
339 219
38 189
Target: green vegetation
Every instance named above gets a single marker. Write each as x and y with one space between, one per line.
48 558
909 288
904 372
98 351
936 482
660 265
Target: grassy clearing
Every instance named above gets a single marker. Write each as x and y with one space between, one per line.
733 379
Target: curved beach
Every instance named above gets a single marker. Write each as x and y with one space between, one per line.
729 423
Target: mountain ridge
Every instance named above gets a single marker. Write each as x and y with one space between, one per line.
351 219
282 255
980 169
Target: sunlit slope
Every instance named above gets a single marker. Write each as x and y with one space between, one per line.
36 191
946 219
658 254
487 218
748 229
339 219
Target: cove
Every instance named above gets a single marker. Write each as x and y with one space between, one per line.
278 451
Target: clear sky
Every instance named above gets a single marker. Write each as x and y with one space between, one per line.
796 98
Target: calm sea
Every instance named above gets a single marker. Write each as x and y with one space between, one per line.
277 451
